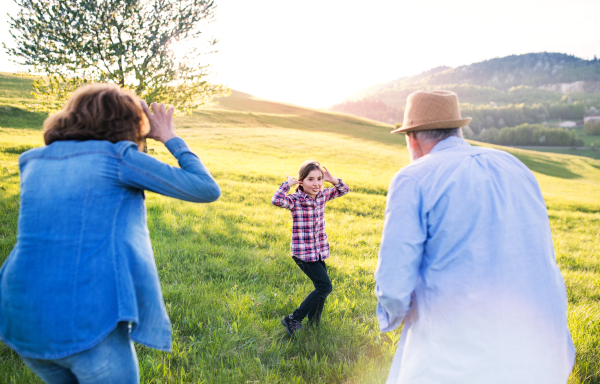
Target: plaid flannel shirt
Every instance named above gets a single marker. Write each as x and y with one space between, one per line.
309 239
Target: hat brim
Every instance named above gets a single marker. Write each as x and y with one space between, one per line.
442 124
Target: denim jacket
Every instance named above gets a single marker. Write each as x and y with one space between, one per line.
83 259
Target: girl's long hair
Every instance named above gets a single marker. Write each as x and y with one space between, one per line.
307 167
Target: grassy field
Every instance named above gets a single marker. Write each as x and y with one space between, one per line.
225 268
591 153
587 140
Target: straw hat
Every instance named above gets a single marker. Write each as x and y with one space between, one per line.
432 110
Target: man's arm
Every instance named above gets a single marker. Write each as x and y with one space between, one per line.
400 253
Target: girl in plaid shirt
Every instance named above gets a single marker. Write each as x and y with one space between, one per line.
309 243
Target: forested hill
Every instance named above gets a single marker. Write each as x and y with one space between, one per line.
532 69
540 80
398 83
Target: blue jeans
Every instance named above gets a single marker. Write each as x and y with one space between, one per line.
111 361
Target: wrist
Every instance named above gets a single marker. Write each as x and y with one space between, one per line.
164 138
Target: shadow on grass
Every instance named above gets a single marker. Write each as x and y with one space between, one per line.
9 206
369 190
224 250
305 120
221 251
588 153
547 167
12 368
17 150
20 118
246 276
275 181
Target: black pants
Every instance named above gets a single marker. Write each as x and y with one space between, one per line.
312 306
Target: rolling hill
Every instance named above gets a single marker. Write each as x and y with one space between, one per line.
553 86
225 269
547 71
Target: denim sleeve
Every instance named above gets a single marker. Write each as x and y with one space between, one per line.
400 253
192 182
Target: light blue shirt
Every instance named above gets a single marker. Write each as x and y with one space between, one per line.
467 261
83 260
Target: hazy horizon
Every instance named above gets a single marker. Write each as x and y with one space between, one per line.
318 53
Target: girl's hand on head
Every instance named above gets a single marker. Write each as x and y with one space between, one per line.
292 181
328 177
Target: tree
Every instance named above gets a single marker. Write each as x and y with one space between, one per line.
592 128
489 135
468 132
128 42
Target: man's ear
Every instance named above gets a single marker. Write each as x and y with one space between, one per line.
413 142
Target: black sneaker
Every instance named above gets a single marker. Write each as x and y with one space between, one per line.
291 325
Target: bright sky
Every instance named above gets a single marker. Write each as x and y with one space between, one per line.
317 52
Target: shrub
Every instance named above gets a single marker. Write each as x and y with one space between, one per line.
530 135
468 132
512 115
489 135
592 128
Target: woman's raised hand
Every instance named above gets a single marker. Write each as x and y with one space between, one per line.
162 127
292 181
328 177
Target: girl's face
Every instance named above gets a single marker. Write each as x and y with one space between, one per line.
313 182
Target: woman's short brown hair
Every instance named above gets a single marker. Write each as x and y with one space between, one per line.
98 112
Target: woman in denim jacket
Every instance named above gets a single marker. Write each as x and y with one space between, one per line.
81 282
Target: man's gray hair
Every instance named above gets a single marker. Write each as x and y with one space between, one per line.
437 135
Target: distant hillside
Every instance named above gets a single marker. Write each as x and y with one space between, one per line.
374 89
239 109
532 69
555 84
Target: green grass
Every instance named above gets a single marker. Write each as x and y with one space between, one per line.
225 268
588 140
14 93
15 89
591 153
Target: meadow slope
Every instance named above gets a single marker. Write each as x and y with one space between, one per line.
225 269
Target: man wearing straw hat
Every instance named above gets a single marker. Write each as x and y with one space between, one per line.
467 261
